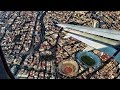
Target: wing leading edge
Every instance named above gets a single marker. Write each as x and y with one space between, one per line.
112 34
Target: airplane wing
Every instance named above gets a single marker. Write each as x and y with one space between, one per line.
92 41
112 34
96 45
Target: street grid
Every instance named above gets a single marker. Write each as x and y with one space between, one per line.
33 46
